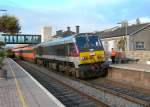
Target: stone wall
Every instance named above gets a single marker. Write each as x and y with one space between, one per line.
143 56
134 78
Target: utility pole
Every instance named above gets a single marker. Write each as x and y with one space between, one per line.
125 24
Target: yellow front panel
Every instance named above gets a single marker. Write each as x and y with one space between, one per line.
91 57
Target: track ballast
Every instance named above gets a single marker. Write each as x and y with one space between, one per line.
65 94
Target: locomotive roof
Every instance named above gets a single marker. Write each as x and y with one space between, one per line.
58 41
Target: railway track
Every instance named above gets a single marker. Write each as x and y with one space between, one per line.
69 96
126 93
129 94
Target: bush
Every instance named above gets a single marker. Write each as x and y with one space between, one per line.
2 55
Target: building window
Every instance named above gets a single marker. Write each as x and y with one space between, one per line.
139 45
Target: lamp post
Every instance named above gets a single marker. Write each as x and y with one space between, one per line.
125 24
3 10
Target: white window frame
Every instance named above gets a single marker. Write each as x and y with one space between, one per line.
139 45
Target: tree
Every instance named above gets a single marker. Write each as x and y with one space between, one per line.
2 44
9 24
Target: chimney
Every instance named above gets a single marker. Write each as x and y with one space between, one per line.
59 33
138 21
77 29
68 28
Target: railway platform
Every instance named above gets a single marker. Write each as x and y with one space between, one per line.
22 90
137 75
136 67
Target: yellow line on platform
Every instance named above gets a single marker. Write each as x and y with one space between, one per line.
21 97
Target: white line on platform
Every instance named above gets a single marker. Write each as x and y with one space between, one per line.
43 88
19 91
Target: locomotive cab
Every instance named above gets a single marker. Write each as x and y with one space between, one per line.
91 56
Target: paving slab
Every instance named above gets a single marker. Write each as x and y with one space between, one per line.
22 90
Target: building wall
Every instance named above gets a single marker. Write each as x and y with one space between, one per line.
46 33
110 43
136 78
142 36
142 56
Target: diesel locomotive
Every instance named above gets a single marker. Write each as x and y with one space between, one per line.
80 55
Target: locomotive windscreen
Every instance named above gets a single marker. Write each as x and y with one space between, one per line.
94 42
86 42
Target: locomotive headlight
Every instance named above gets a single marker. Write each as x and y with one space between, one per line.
83 58
103 56
92 53
99 57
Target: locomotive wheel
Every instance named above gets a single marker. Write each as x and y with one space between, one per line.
77 74
67 72
104 72
73 72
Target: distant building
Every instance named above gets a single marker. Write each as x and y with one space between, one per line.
46 33
68 32
137 37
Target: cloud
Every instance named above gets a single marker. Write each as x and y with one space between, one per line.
142 20
145 19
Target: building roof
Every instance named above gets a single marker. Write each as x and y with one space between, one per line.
121 31
58 41
68 33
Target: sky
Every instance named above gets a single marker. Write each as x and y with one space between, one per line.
90 15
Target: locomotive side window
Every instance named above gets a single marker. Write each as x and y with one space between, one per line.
61 50
40 50
72 50
51 50
45 50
